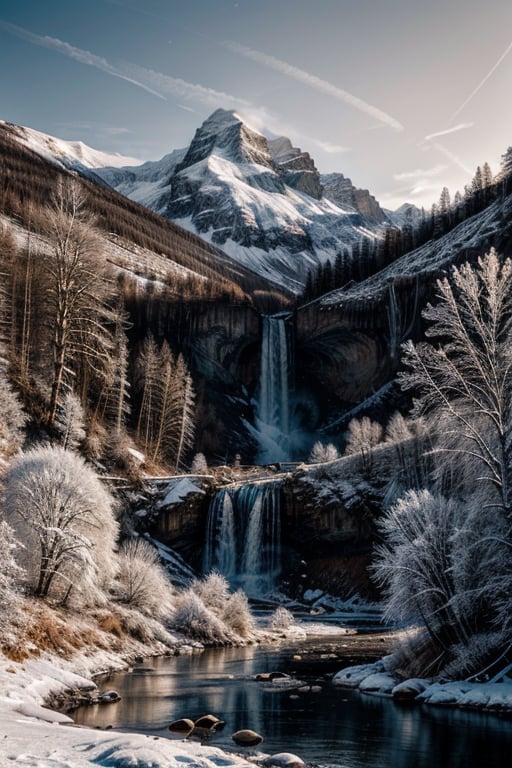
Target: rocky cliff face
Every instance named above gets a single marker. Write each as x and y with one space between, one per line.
297 168
340 190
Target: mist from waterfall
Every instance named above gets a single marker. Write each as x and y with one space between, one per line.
243 536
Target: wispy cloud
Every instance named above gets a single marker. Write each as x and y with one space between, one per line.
481 83
448 131
420 173
104 129
156 83
331 149
315 82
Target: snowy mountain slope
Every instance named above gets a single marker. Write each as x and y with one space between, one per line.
146 183
490 227
261 201
73 155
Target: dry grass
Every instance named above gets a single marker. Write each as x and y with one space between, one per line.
44 628
112 625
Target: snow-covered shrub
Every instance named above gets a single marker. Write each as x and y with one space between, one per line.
10 573
213 590
195 620
208 612
237 615
281 618
414 566
65 517
199 465
141 581
320 453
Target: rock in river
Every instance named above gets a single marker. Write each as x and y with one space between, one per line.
247 738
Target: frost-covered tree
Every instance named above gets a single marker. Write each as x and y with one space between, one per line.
65 517
363 435
141 581
321 452
465 379
70 422
447 558
415 564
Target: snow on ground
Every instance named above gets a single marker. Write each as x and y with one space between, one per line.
178 490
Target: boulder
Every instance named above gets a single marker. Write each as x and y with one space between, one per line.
284 760
184 726
246 738
108 697
209 723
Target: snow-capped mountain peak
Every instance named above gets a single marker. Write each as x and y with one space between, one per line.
260 200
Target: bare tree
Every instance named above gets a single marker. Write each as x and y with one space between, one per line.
166 415
76 295
65 517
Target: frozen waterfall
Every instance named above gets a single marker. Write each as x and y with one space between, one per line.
243 536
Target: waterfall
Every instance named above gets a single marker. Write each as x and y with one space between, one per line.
243 536
273 411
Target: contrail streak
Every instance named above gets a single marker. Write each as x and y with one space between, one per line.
83 56
481 83
314 82
459 127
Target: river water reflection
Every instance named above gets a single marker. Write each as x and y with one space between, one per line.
327 727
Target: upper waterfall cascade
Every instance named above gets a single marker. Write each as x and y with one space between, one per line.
276 376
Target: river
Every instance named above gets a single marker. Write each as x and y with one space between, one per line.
326 725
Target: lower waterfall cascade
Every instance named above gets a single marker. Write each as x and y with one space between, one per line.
243 536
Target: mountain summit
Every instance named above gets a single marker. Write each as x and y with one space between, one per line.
262 201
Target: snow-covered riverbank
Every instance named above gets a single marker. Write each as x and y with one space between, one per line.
493 695
34 736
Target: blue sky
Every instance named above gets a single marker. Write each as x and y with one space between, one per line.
403 96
